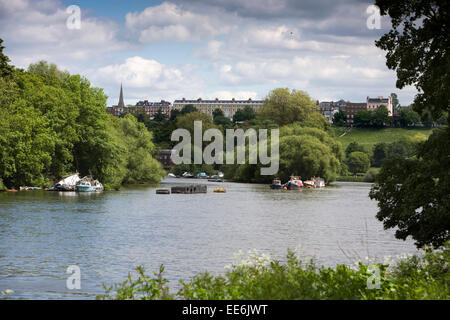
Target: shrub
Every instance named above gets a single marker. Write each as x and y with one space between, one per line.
423 276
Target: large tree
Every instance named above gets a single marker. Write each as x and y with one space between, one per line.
414 194
284 106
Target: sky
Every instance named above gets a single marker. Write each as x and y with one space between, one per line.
206 48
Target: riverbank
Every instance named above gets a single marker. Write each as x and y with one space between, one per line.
419 277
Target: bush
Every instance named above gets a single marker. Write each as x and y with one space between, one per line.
2 186
371 175
358 162
423 276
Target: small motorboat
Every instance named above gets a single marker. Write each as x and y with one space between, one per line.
294 183
87 184
220 190
276 184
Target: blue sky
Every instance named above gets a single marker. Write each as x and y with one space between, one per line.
206 48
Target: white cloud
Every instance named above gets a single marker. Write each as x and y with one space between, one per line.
37 30
170 22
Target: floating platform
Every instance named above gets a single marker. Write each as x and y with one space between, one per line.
162 191
193 188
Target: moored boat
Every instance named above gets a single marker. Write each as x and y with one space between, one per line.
87 184
276 184
294 183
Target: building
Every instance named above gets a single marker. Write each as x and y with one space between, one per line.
374 103
164 157
150 108
229 107
352 108
118 110
329 108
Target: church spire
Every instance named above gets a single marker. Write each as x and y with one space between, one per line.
121 104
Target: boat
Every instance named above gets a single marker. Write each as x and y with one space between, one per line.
201 175
87 184
220 190
318 182
309 184
68 183
171 175
276 184
187 175
294 183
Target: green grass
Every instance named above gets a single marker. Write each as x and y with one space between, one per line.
368 137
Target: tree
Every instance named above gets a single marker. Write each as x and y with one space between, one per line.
379 154
418 50
284 106
413 194
362 118
358 162
380 116
44 68
340 118
408 117
5 69
244 114
353 147
187 121
188 109
395 103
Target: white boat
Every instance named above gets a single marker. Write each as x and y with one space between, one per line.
66 184
87 184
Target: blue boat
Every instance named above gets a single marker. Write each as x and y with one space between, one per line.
87 184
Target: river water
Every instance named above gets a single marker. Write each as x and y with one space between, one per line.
107 234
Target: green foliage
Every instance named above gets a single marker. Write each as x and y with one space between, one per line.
188 109
377 118
380 116
371 175
53 123
6 70
408 117
358 162
284 106
353 147
369 137
363 118
340 118
380 153
187 120
417 49
413 194
245 114
304 151
259 278
2 186
43 68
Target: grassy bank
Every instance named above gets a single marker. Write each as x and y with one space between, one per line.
368 137
423 276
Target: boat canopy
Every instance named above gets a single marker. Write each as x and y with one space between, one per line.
70 180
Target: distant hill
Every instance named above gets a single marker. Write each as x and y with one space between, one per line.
368 137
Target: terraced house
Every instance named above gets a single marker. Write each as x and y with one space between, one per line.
229 107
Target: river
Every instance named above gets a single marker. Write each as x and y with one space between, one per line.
107 234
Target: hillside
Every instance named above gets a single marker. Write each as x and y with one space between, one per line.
368 137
